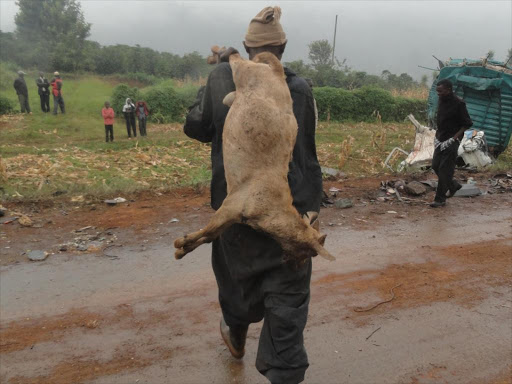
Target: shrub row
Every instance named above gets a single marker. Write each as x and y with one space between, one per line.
365 104
166 102
169 103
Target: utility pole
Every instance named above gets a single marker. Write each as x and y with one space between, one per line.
334 42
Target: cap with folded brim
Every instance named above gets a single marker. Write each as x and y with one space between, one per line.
265 29
21 73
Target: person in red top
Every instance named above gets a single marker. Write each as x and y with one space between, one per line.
58 100
108 117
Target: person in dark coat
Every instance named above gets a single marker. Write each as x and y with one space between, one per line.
452 120
43 89
21 90
254 281
129 117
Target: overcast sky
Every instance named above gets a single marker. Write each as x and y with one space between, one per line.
372 35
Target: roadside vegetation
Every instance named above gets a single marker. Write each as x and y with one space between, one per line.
42 156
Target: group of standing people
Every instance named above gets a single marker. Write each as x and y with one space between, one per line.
43 89
130 111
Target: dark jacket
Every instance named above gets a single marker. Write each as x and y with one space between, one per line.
205 122
20 86
452 115
43 86
146 109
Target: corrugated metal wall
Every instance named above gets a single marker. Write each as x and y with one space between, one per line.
490 109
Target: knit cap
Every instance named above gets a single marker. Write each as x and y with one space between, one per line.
265 29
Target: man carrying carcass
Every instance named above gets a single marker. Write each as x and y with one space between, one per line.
254 281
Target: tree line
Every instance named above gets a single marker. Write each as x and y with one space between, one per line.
327 71
52 35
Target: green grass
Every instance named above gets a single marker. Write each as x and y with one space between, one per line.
46 155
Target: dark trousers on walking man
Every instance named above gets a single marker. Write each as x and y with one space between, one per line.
45 102
109 131
58 101
24 106
443 164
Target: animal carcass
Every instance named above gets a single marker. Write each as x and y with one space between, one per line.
258 139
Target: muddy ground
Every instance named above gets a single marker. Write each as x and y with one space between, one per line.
124 311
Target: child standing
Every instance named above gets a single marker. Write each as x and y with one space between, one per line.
142 112
108 118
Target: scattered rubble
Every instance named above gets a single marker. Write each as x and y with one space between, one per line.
468 190
332 173
77 199
37 255
8 220
343 203
117 200
88 242
499 183
25 221
415 188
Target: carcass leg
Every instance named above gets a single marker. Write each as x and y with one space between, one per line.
228 214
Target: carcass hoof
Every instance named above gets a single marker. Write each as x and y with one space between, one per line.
179 253
180 243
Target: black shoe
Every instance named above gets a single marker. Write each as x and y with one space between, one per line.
437 204
452 192
234 339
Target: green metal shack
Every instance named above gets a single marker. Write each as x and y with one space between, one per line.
486 87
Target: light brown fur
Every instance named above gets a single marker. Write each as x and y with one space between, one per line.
258 140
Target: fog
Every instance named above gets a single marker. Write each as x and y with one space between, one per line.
371 35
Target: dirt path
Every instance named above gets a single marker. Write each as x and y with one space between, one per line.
135 315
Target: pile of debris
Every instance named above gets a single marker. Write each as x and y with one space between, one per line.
473 150
397 189
500 183
89 240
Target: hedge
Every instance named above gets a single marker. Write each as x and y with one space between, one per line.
168 103
365 104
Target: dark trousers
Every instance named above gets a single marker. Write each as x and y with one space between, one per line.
255 284
109 130
24 106
142 127
130 125
45 102
443 163
58 101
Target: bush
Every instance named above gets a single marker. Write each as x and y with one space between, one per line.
5 105
362 105
165 104
404 107
119 95
187 95
372 100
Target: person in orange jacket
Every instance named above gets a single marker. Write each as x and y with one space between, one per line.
58 100
108 117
